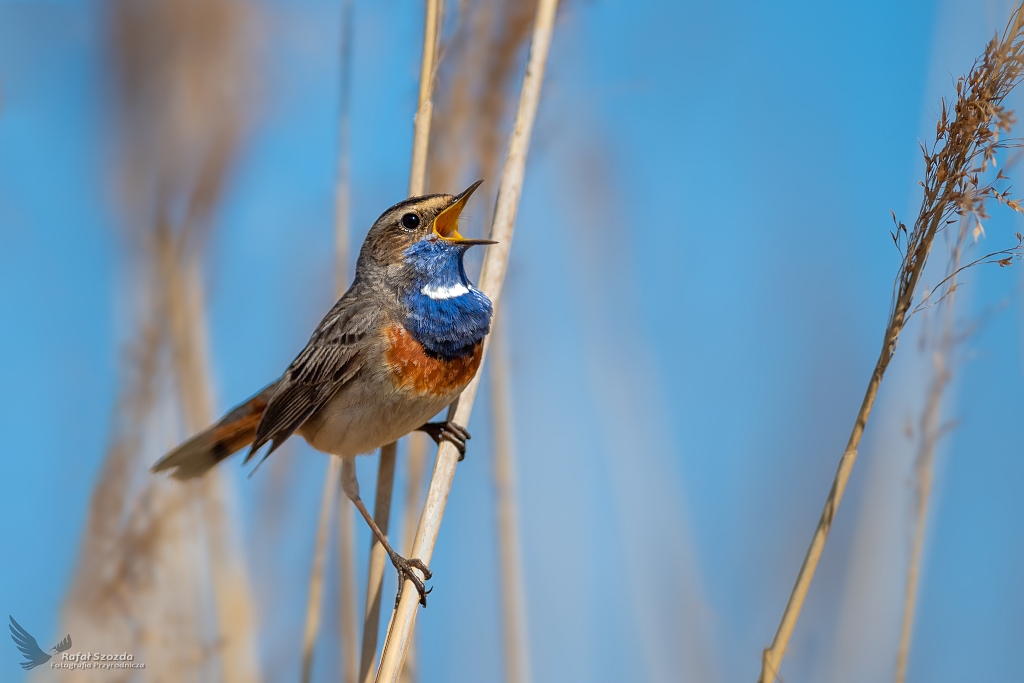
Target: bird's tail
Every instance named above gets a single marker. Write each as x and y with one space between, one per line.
202 452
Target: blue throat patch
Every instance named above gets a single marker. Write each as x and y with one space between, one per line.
445 312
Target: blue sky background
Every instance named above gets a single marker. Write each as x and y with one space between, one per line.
700 280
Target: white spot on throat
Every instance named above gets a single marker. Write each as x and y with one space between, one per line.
438 293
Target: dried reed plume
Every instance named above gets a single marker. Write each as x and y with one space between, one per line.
491 279
144 573
965 148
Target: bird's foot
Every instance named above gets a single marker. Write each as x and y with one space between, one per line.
450 432
405 571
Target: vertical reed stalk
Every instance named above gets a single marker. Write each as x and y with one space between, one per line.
964 148
416 468
491 278
231 591
347 596
333 474
474 101
425 106
386 471
346 519
170 549
316 579
931 432
510 563
378 559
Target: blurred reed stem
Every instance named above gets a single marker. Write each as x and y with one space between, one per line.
346 562
491 278
231 590
416 469
169 549
964 148
347 595
510 562
386 471
346 519
316 580
930 433
378 559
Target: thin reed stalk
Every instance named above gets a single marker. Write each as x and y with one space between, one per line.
347 595
964 148
378 560
474 102
491 279
231 589
510 562
425 103
349 620
316 580
170 550
415 470
333 473
386 470
930 433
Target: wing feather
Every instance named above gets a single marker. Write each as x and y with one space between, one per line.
334 355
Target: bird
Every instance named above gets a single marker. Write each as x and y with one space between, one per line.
34 655
398 347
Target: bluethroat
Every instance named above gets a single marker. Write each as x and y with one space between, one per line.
398 347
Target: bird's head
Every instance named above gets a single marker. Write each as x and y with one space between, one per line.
415 251
416 229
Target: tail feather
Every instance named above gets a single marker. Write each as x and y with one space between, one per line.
202 452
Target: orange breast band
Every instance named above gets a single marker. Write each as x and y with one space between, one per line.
416 371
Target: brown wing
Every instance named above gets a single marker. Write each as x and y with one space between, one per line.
333 356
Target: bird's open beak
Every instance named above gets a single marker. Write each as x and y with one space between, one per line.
446 225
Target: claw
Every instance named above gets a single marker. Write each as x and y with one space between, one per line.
450 432
405 571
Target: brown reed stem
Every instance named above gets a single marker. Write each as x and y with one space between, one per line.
231 591
510 562
378 559
347 596
491 278
316 579
930 429
333 473
925 459
346 519
416 469
386 471
964 147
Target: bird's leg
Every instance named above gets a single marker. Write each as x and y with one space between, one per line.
350 485
447 431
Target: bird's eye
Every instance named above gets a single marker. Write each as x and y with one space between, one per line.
410 221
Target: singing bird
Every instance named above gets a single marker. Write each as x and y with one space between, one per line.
398 347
